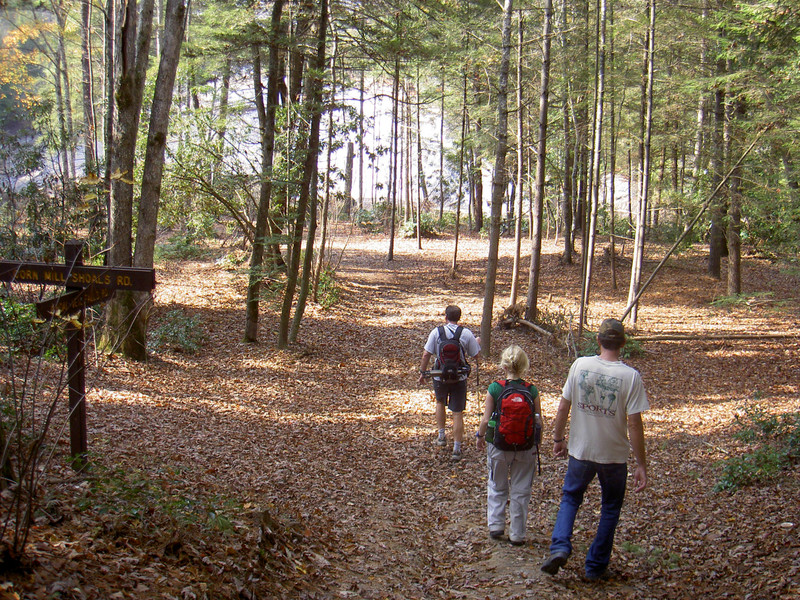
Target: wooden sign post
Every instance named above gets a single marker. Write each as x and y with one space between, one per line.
85 285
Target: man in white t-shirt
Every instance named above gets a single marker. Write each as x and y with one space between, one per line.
452 395
607 399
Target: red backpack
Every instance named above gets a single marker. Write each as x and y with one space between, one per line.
514 417
450 358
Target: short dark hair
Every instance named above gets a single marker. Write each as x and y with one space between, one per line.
452 313
611 334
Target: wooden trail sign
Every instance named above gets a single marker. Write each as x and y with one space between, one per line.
86 285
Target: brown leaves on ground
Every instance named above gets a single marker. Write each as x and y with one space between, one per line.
248 472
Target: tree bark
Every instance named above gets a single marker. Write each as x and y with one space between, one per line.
394 151
326 197
541 154
638 255
134 344
454 264
135 39
89 127
716 235
498 183
520 170
308 260
734 110
441 154
315 106
597 145
566 190
266 117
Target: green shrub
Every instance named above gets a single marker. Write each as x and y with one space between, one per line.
328 291
776 446
739 299
178 332
428 227
154 499
18 324
181 246
371 221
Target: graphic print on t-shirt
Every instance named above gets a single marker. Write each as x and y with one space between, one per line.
599 393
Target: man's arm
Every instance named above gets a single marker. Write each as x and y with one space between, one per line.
636 436
423 366
559 427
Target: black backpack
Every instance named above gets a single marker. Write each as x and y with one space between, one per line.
450 358
514 419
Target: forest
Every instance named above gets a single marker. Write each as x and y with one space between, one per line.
294 190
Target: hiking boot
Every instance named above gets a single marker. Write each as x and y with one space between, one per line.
497 534
440 442
456 456
554 562
516 542
603 575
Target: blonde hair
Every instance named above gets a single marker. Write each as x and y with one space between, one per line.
515 361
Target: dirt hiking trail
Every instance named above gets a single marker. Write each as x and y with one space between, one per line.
325 450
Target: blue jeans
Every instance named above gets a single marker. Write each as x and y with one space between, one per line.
580 473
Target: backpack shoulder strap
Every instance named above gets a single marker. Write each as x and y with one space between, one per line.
457 333
442 332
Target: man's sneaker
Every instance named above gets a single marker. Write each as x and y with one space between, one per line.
497 534
456 456
440 442
554 562
516 542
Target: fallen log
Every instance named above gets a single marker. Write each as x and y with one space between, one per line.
668 337
535 327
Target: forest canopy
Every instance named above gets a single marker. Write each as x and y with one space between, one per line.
674 122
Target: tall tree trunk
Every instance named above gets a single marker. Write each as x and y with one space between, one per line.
638 257
541 154
347 208
423 184
66 87
441 154
734 110
361 141
222 120
701 108
134 344
89 129
297 57
498 182
566 189
134 57
454 265
326 198
597 145
266 118
110 57
308 259
612 167
716 235
408 188
520 162
395 148
315 106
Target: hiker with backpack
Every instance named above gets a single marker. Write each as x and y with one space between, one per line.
510 431
450 345
607 399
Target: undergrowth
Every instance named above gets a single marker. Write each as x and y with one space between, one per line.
178 332
154 501
590 347
775 446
